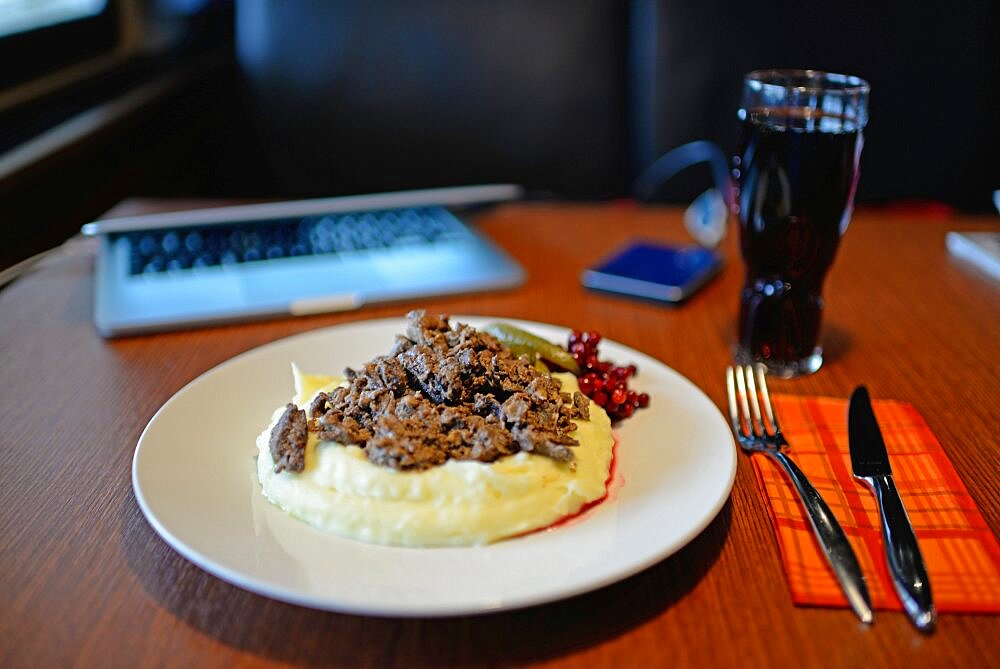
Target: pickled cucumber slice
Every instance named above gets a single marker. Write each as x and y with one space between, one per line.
520 341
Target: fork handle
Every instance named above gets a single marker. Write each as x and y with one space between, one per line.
831 538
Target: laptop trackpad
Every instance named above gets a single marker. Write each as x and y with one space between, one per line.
300 279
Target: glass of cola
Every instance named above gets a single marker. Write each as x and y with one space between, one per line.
797 170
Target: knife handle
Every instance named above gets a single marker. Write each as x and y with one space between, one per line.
831 538
906 564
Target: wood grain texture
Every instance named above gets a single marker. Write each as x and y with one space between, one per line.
84 580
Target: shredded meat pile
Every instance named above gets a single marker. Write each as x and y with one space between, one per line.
447 393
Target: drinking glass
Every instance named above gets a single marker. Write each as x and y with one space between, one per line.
797 170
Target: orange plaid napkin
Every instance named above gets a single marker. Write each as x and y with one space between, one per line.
960 551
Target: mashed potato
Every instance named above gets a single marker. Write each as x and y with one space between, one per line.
459 503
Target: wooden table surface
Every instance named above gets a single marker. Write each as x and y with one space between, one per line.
84 579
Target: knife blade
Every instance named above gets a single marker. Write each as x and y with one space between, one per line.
870 462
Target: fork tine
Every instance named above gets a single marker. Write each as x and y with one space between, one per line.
766 396
741 395
759 428
734 416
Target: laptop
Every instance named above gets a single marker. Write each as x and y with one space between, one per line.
195 268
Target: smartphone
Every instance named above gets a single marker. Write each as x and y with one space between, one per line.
654 271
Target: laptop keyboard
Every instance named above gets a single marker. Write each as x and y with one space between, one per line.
155 251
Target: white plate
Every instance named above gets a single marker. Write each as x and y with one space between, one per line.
195 479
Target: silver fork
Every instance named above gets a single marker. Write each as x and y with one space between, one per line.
757 431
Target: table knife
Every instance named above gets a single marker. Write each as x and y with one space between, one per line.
870 463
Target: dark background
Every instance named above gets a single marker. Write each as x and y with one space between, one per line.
571 98
933 68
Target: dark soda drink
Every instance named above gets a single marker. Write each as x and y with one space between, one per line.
797 170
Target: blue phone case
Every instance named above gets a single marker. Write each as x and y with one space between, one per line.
654 271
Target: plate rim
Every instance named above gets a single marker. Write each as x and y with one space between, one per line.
409 609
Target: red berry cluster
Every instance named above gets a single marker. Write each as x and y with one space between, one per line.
603 382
